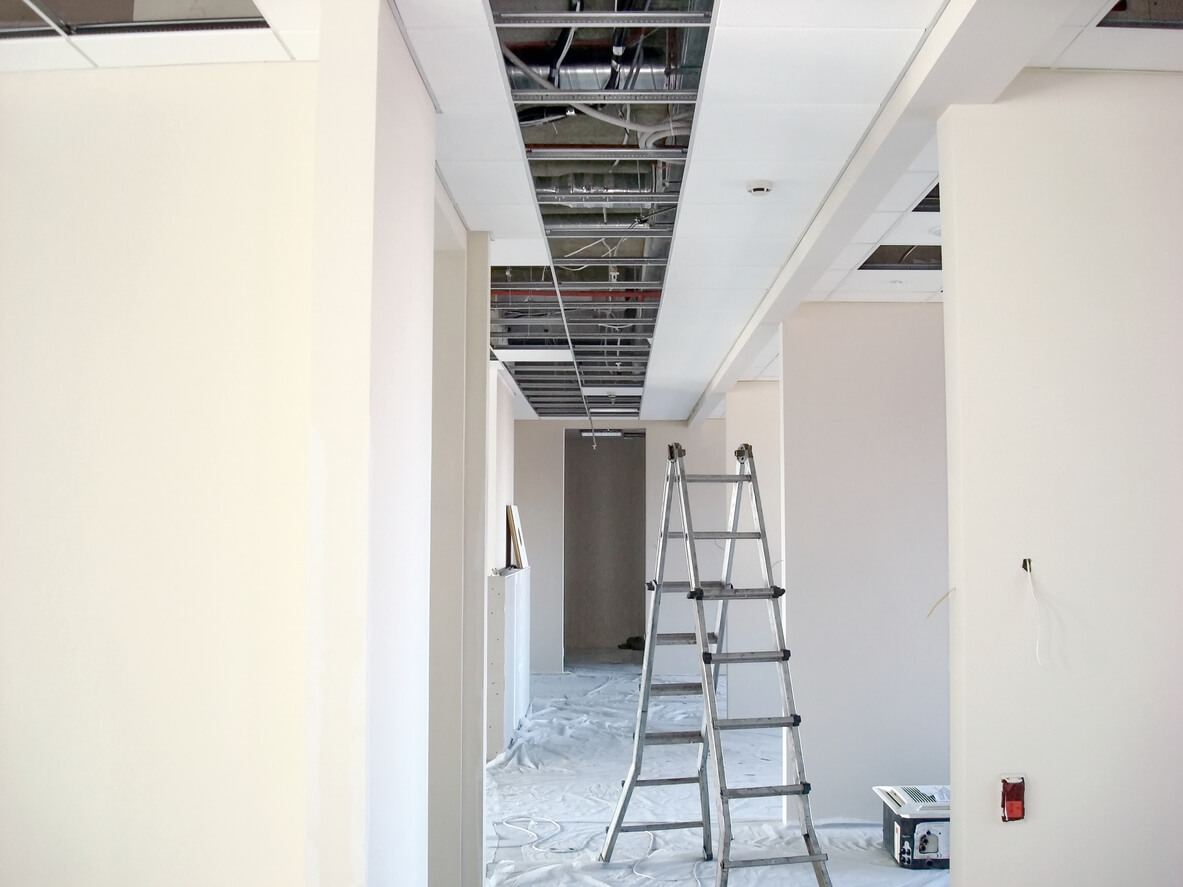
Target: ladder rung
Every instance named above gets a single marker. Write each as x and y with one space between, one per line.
716 478
716 534
670 780
747 656
673 737
773 860
765 791
659 826
687 689
682 637
756 723
765 593
685 586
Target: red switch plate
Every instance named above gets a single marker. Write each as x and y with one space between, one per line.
1013 802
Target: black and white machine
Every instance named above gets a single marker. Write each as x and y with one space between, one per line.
916 824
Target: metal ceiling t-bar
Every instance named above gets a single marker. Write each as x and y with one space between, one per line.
598 198
604 96
602 19
601 230
672 155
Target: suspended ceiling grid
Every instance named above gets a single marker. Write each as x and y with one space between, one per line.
604 95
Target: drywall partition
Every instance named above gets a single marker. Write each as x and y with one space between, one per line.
1065 435
538 477
500 432
753 417
865 547
155 292
446 710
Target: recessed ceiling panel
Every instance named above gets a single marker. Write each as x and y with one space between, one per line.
794 183
733 131
182 48
829 13
786 62
888 282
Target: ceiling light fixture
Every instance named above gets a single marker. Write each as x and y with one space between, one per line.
759 186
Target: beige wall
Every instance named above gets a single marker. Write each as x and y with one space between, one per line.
866 547
154 326
1066 429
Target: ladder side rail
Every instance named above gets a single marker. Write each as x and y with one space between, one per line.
634 771
790 706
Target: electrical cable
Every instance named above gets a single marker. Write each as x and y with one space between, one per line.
554 276
584 109
1038 616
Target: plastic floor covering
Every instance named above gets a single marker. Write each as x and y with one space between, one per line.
552 792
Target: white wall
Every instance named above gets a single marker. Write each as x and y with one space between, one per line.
154 322
1066 429
538 474
753 411
865 547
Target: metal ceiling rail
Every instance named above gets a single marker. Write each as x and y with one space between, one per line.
602 19
604 96
676 155
594 198
599 229
608 261
578 287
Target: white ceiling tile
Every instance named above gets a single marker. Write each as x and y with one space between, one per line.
182 48
880 297
916 228
830 279
731 131
816 296
444 14
731 251
519 251
1125 49
39 54
890 282
806 66
493 181
852 256
875 226
478 132
908 191
503 220
757 220
1089 12
713 275
725 181
927 160
828 13
462 65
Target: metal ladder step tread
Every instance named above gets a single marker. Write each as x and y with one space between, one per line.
676 689
765 791
682 637
685 586
667 780
672 737
756 723
717 478
659 826
764 593
717 534
774 860
752 656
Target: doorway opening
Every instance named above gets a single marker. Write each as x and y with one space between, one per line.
604 546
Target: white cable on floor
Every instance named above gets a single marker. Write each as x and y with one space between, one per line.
652 846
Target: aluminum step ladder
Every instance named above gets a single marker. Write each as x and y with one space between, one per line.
644 737
712 658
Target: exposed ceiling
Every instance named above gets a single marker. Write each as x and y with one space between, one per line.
827 109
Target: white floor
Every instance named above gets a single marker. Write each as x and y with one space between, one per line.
552 793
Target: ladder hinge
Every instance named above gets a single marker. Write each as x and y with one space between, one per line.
706 658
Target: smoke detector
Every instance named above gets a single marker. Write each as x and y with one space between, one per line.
759 186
